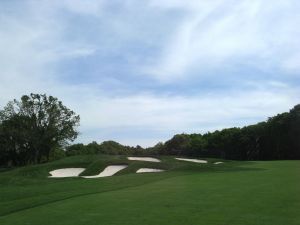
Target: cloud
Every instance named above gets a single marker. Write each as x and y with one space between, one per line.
91 7
32 45
292 63
134 71
168 115
219 33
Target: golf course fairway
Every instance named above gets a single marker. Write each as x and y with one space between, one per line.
186 193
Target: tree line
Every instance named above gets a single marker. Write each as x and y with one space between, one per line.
276 138
106 147
38 128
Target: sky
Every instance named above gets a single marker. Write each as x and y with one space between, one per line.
138 72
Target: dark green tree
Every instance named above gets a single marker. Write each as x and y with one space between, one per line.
113 148
178 145
76 149
35 126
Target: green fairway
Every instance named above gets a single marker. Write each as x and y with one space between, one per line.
233 193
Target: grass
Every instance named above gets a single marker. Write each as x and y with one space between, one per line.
233 193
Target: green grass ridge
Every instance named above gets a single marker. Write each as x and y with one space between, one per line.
235 193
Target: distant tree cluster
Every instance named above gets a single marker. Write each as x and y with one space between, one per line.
35 129
39 128
277 138
106 147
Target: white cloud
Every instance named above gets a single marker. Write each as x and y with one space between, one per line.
88 8
182 112
292 63
35 40
32 45
93 7
192 5
227 32
177 114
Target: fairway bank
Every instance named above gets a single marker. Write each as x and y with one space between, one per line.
239 193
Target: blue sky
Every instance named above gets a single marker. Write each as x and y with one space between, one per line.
139 72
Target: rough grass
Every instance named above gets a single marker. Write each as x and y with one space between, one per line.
233 193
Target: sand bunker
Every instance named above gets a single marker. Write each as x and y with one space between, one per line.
148 170
108 171
67 172
192 160
218 163
148 159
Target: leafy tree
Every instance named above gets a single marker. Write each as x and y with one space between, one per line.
76 149
35 126
198 146
56 154
178 145
92 148
294 131
157 149
277 138
113 148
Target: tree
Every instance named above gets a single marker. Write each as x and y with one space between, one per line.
113 148
277 138
35 126
14 144
294 133
198 146
178 145
76 149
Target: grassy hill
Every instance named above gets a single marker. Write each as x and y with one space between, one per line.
235 193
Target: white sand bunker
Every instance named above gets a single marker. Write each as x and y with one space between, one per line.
218 163
148 159
148 170
108 171
192 160
67 172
